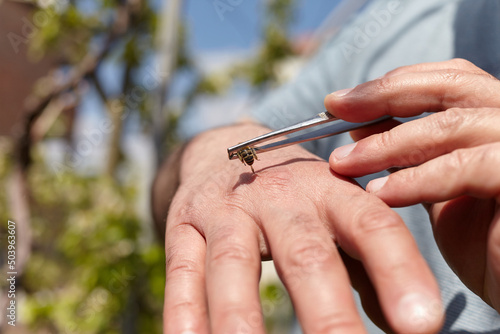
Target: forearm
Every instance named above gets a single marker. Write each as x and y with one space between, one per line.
204 152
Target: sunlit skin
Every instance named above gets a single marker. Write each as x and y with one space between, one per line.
295 210
453 157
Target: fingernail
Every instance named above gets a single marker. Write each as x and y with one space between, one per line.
377 184
341 93
343 151
420 312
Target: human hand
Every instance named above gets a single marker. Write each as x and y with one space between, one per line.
224 220
453 157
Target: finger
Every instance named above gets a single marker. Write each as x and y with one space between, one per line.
361 282
185 303
411 94
233 271
379 127
418 141
456 64
469 171
312 271
370 231
458 225
493 264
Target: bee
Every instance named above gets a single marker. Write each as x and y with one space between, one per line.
247 156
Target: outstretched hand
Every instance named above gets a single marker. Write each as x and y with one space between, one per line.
224 220
452 158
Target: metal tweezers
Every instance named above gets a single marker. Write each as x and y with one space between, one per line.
338 126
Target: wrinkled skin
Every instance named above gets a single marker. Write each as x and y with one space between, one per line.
452 158
224 220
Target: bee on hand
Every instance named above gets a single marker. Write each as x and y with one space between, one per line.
247 156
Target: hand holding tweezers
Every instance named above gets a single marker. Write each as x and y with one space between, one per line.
338 126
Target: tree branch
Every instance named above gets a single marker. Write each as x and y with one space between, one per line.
168 45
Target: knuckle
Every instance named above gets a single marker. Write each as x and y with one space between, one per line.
457 161
312 254
237 201
185 213
250 316
462 63
451 75
417 155
230 253
210 189
188 214
184 209
387 87
374 220
180 307
226 246
180 267
399 70
177 263
385 139
384 85
449 120
469 67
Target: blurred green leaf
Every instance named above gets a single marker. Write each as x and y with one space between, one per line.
93 269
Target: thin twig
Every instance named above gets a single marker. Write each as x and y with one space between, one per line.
168 44
88 65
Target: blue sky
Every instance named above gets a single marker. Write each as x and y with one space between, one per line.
239 27
218 39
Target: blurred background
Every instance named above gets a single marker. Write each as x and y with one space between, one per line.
94 95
